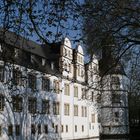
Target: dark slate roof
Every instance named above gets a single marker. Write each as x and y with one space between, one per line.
45 51
110 68
18 41
118 69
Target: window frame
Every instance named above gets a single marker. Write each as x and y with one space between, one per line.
2 102
45 84
56 86
32 105
32 81
75 110
56 108
17 129
45 106
66 109
10 130
17 77
76 91
33 129
17 103
92 118
1 73
66 89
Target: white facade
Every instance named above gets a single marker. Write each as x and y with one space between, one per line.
71 108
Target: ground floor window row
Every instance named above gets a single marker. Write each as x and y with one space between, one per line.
17 106
39 129
16 129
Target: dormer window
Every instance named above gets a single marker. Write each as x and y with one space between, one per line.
52 65
32 58
82 73
0 48
65 52
16 52
69 54
43 62
78 71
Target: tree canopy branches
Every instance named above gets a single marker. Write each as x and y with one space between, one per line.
49 20
111 22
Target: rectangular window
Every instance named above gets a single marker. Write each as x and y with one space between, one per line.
62 129
93 118
66 109
82 128
115 83
78 71
75 91
46 129
17 53
52 125
1 102
99 118
116 98
56 108
75 128
115 80
1 74
39 128
17 103
33 129
66 89
10 130
66 128
17 129
75 110
45 106
0 130
83 93
84 111
17 77
70 68
43 61
32 105
56 86
56 129
116 116
92 96
45 84
32 81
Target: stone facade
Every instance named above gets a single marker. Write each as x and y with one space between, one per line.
47 92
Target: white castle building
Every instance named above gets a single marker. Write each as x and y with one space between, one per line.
47 92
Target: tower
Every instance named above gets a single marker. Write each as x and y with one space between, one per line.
114 103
